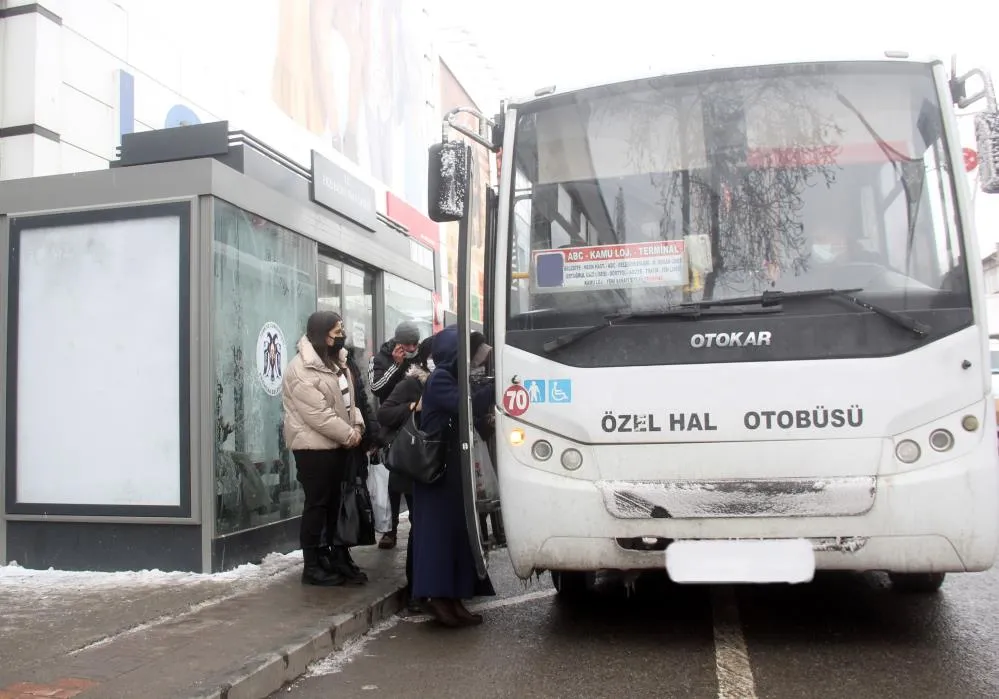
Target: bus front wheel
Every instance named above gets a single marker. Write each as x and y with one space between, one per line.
572 584
917 583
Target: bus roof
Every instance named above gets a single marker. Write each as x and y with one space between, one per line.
697 65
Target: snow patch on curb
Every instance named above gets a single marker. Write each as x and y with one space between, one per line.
62 580
334 663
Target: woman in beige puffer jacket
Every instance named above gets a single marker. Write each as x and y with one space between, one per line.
321 423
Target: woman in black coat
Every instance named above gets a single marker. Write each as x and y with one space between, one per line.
393 413
443 565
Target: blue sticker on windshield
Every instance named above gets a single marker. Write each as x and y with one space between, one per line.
549 270
560 391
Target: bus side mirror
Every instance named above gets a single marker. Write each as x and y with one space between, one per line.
986 122
447 181
987 139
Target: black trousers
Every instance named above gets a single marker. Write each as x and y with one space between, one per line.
320 472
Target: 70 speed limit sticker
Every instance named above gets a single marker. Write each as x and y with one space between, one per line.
516 400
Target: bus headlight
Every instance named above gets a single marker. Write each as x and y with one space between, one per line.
907 451
941 440
571 459
969 423
516 436
542 450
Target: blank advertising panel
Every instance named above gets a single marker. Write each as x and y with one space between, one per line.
98 372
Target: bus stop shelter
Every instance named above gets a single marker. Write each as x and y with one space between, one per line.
148 312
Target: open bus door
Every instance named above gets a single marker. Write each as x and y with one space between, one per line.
449 182
490 509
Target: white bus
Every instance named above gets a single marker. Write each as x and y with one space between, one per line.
739 324
992 321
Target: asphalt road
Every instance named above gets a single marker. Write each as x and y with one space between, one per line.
842 635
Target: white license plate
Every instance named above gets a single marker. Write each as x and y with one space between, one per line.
741 561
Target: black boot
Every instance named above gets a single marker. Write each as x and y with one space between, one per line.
341 562
326 559
315 574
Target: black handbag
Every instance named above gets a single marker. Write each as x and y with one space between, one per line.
416 454
356 519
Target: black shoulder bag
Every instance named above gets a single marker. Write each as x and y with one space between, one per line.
416 454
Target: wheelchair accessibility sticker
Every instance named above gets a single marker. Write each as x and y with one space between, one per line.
549 390
560 391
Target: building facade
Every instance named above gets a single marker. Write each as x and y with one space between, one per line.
324 109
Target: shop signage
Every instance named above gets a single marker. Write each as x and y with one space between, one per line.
336 189
419 226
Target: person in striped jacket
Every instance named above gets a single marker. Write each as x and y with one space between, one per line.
390 364
386 369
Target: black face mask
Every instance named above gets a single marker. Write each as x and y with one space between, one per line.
338 343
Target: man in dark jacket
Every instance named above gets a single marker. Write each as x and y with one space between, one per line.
393 414
387 368
390 364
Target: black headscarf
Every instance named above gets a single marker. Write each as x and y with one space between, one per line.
423 352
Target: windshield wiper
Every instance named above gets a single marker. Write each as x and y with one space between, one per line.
900 319
767 298
773 298
684 311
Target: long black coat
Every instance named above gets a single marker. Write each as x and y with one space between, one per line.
443 565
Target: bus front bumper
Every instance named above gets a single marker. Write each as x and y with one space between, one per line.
940 518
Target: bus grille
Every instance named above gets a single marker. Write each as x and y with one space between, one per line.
782 497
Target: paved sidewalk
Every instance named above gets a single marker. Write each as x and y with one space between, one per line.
236 635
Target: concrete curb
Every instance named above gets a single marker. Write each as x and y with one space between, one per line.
269 672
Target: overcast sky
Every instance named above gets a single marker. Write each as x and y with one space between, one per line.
534 43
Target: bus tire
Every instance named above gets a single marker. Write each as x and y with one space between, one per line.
917 583
572 584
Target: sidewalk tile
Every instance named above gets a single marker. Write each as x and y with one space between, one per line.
186 642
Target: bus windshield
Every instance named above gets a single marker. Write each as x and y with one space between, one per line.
634 198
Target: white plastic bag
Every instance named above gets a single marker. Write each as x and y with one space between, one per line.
378 480
486 485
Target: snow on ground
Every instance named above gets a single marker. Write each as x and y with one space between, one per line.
13 575
335 662
86 609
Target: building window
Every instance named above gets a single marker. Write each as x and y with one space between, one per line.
421 255
404 300
350 291
264 291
